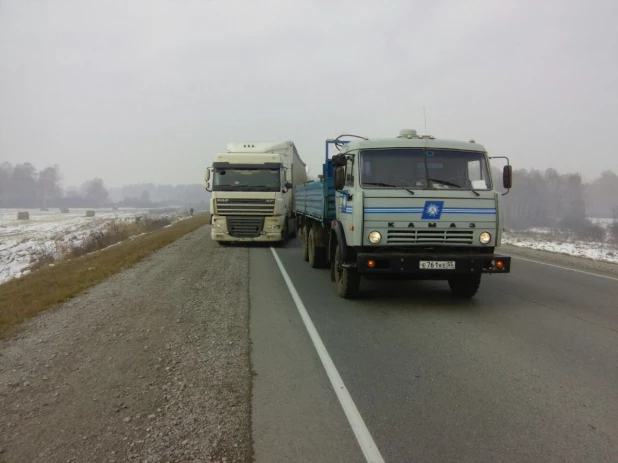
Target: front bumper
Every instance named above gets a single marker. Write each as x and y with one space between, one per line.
266 237
433 265
246 228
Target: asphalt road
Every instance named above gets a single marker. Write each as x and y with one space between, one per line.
525 372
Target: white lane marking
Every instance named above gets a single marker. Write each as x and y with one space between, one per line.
566 268
368 446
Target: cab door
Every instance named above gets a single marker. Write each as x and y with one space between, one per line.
347 199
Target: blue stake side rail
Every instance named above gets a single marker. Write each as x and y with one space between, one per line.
316 200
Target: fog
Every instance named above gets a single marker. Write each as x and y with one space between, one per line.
148 91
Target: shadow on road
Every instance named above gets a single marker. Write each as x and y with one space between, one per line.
414 294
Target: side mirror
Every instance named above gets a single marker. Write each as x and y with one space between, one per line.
339 160
339 180
507 177
207 175
207 186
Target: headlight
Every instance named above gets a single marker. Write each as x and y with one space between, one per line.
216 225
273 227
484 238
375 237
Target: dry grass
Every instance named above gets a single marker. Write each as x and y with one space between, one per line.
114 232
25 297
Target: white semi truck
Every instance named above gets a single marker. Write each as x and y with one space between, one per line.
252 186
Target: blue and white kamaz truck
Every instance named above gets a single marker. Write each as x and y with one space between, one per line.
407 207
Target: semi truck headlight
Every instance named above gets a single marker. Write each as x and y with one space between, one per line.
375 237
484 238
216 225
273 227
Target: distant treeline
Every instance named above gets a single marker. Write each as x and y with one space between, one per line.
538 198
23 186
149 193
551 199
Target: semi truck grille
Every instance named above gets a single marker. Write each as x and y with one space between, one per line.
415 236
245 226
231 206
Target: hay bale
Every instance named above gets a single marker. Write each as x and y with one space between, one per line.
90 213
23 215
64 210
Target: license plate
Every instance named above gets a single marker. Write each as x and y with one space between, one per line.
437 264
244 239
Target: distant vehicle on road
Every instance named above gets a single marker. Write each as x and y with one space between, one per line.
406 207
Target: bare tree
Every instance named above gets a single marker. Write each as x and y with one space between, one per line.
95 192
22 185
48 184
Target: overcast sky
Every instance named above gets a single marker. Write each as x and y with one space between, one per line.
148 90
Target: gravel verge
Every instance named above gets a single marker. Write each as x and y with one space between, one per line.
152 365
564 260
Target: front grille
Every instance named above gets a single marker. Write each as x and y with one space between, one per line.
245 206
245 226
415 236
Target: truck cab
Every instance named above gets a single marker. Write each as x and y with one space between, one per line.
409 207
251 189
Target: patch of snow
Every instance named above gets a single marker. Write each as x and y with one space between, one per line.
46 232
604 252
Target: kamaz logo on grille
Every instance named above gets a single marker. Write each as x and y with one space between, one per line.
432 210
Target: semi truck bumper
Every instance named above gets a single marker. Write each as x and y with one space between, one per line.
430 266
247 228
266 237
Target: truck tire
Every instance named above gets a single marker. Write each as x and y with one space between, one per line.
303 244
465 286
316 255
347 280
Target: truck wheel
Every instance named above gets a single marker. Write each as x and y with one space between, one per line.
465 286
303 244
316 255
346 279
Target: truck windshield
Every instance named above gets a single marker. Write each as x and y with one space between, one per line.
418 168
247 180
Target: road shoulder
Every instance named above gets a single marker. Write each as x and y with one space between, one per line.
296 414
151 365
561 260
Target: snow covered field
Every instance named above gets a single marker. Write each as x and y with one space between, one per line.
22 241
545 239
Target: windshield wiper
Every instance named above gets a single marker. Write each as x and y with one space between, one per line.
389 185
229 187
261 187
379 184
444 182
